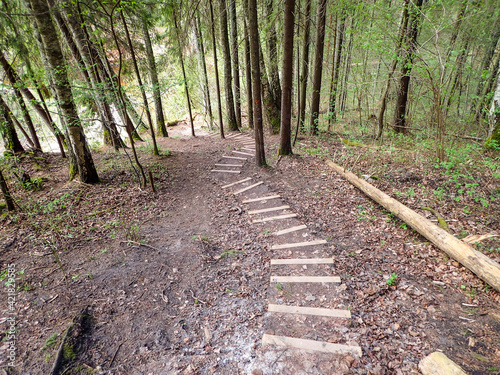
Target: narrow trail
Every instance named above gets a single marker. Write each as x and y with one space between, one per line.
306 317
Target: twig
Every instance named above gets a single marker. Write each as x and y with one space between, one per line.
114 356
197 299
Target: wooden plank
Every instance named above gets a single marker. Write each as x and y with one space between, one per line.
298 244
255 212
273 218
242 153
305 279
233 157
248 149
237 182
229 165
438 363
304 344
302 261
316 311
225 171
248 188
289 230
260 199
484 267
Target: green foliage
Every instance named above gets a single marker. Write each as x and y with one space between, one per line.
392 279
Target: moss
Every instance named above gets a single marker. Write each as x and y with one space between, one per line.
73 171
68 353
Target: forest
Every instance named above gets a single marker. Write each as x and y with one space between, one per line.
113 112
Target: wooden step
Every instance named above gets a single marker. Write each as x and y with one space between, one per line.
302 261
298 244
237 182
242 153
289 230
305 279
233 157
332 313
273 218
225 171
304 344
229 165
255 212
248 187
261 199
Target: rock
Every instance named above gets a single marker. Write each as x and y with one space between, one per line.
257 372
439 364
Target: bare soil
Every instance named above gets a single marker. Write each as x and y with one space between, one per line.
177 281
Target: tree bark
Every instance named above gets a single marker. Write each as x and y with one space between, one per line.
6 193
235 61
200 46
484 267
186 88
383 102
85 163
335 71
155 83
260 156
404 83
305 63
12 76
226 52
141 86
248 76
286 99
10 139
272 111
318 66
272 55
214 45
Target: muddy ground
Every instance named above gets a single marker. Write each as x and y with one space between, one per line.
177 281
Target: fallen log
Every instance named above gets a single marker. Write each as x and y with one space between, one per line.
485 268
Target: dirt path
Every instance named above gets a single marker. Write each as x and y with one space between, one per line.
195 300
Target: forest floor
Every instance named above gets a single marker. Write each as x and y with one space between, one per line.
177 281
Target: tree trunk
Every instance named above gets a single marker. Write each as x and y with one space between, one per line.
85 163
272 111
186 88
253 30
286 99
235 61
141 86
12 76
305 63
6 193
404 83
383 102
335 71
200 46
318 66
272 55
214 46
231 115
85 48
493 140
9 135
155 83
248 76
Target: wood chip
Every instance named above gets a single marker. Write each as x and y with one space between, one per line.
320 346
273 218
302 261
237 182
332 313
260 199
255 212
305 279
248 188
298 244
290 230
